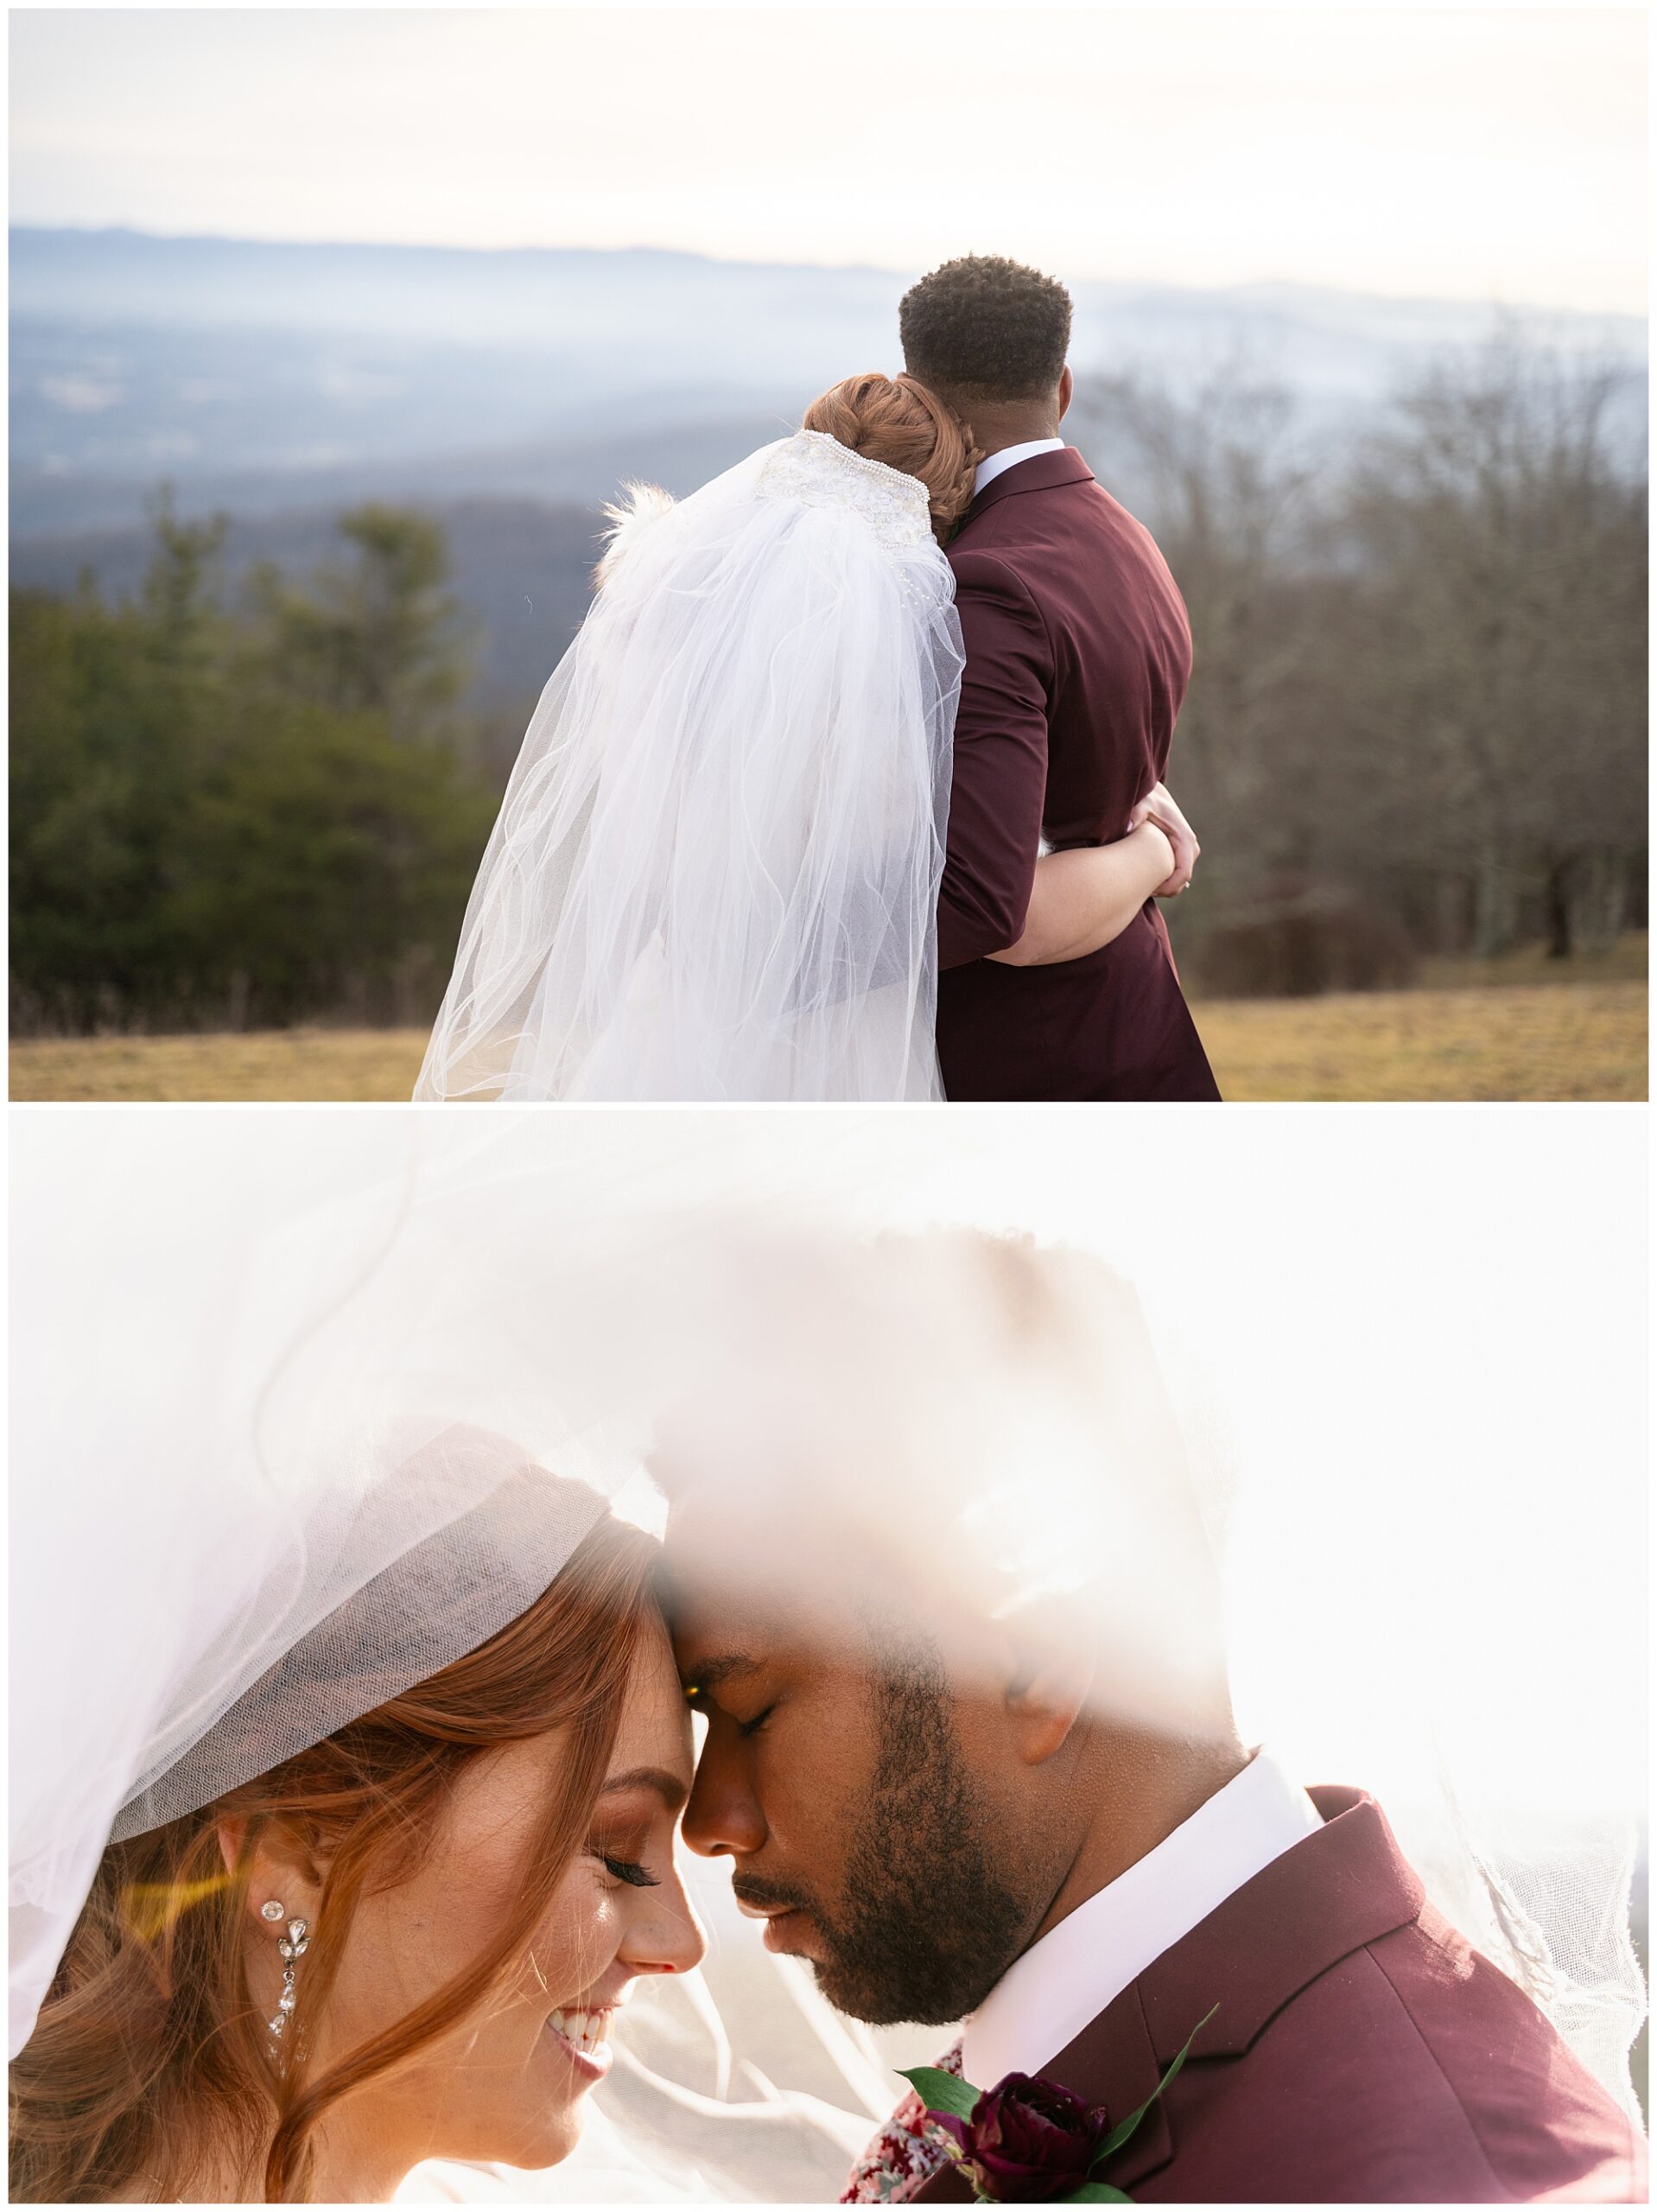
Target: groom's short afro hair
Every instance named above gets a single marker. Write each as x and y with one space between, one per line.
987 328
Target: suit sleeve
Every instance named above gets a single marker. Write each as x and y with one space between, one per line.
999 778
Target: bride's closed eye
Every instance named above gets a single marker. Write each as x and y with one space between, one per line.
620 1849
629 1871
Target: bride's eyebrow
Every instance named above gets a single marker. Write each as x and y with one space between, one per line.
667 1786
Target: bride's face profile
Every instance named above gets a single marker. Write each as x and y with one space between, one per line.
507 2082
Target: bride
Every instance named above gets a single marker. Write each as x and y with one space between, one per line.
715 871
401 1936
344 1791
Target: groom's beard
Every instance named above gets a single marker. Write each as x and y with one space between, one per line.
929 1926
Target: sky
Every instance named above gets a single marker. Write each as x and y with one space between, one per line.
1483 153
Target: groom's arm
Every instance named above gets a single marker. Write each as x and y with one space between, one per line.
999 781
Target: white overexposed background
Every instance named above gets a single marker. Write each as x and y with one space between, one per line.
1412 1341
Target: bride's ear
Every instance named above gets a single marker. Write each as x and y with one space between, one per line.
280 1867
1047 1690
231 1831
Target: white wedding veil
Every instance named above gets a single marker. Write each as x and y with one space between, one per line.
715 872
262 1361
260 1476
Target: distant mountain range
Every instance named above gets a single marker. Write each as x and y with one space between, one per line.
279 383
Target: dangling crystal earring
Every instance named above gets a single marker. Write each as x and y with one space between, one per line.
290 1948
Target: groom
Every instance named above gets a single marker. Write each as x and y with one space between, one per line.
1078 653
951 1812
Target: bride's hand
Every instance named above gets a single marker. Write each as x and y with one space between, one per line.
1158 805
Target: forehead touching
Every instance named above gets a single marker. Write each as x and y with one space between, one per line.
652 1748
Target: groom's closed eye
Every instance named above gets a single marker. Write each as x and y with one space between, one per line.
701 1681
736 1666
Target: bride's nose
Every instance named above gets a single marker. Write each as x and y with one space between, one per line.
665 1936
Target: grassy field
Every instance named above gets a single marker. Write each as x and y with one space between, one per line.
1521 1027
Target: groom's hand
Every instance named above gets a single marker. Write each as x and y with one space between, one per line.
1157 806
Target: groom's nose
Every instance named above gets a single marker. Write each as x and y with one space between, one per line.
723 1814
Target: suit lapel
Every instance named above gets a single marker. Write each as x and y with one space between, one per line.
1346 1885
1112 2062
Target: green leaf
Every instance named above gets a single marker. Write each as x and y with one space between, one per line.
941 2092
1096 2192
1118 2136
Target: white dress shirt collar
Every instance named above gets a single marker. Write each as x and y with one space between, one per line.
1065 1979
997 464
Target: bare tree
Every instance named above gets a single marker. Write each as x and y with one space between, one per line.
1228 493
1505 675
1420 661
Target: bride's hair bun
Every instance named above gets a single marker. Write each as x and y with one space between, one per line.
899 421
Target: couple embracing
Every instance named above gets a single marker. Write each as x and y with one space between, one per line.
396 1842
852 786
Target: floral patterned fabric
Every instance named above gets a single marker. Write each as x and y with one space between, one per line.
907 2151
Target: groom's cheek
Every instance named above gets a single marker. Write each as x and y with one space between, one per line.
828 1772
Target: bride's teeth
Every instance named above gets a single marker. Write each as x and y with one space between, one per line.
586 2030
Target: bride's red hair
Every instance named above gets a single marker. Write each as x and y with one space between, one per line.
897 420
149 2044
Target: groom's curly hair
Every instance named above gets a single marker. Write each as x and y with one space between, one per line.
986 328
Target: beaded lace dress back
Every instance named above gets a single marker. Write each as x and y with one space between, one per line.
819 472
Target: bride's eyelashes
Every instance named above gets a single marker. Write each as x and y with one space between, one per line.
623 1860
629 1871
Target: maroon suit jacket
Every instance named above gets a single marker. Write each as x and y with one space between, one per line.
1078 652
1362 2052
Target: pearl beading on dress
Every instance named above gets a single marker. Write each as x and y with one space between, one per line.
819 472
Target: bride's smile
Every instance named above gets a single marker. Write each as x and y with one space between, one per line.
408 1939
509 2082
583 2032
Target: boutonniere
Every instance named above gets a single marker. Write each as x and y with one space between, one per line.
1028 2141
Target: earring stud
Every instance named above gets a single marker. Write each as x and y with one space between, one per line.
270 1909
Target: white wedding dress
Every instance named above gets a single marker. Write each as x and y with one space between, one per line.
715 872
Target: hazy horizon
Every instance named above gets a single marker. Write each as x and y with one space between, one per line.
1265 285
1489 154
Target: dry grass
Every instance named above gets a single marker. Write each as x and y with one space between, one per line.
1519 1028
1523 1026
1528 1041
274 1064
1625 962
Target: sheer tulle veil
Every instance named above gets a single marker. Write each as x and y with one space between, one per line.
715 871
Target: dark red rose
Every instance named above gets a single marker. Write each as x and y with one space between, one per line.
1028 2141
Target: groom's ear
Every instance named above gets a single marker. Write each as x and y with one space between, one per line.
1046 1691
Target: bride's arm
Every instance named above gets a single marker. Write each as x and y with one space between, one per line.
1083 899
